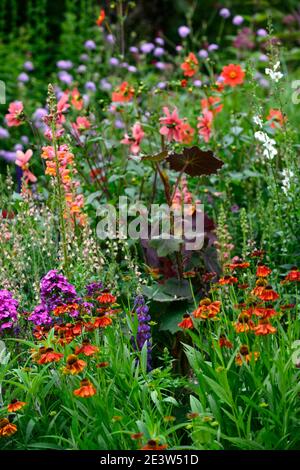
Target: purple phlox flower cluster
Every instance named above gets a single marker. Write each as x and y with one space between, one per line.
144 331
8 310
93 289
56 290
40 316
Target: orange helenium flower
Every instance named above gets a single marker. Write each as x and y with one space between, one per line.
293 275
106 298
232 75
6 428
244 323
102 322
245 355
262 270
207 309
74 365
224 342
87 349
49 356
227 280
239 265
268 294
86 389
186 323
264 327
189 65
15 405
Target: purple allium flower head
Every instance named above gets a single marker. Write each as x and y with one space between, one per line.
197 83
23 77
183 31
8 310
133 50
4 134
224 12
105 85
213 47
144 330
86 99
264 82
237 20
132 69
90 86
159 41
179 48
24 140
94 288
18 147
39 114
114 61
244 39
119 124
90 45
8 155
158 51
40 316
28 66
235 208
161 85
65 77
262 33
203 54
56 290
84 57
263 58
147 47
64 64
81 68
124 65
160 65
110 38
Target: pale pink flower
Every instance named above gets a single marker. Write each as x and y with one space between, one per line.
171 128
205 124
22 161
81 124
15 110
134 139
62 107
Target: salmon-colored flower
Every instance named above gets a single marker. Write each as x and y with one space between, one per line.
205 124
264 328
293 275
74 365
171 128
186 323
227 280
123 93
86 389
101 17
7 429
275 118
49 356
87 349
154 445
190 65
268 294
262 270
186 133
245 356
22 160
15 115
238 265
76 99
232 75
135 138
264 312
15 405
212 103
82 124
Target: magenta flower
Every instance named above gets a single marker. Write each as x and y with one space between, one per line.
171 128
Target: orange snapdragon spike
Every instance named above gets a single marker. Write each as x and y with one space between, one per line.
74 365
7 429
86 389
212 103
190 65
276 118
15 405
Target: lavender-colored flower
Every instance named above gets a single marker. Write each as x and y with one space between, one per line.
28 66
235 209
94 288
18 147
224 12
114 61
84 57
110 38
65 77
8 155
161 85
179 48
263 58
56 290
144 330
64 64
133 50
158 51
132 69
213 47
147 47
90 45
81 68
39 114
183 31
86 99
8 310
160 65
40 316
90 86
262 33
4 134
197 83
124 65
159 41
244 39
24 140
23 77
237 20
105 85
119 124
203 54
264 82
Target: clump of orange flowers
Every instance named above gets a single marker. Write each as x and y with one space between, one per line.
123 93
190 65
